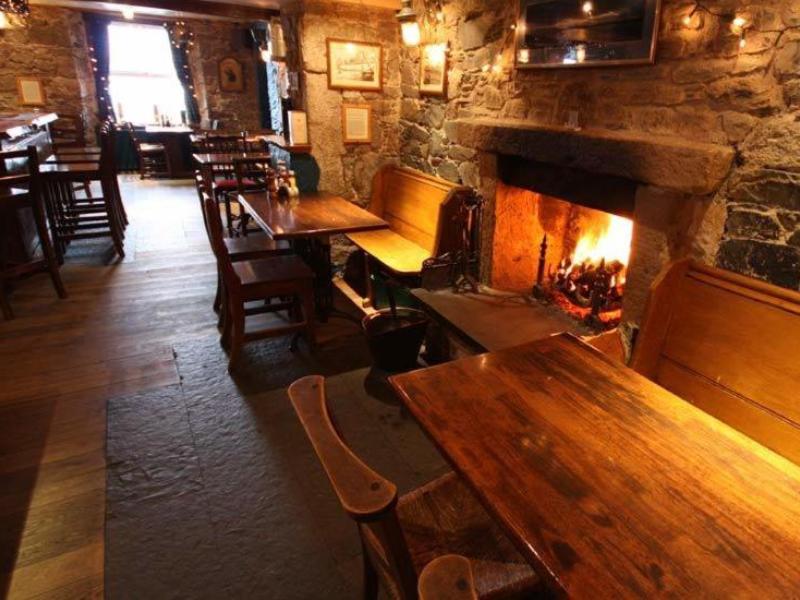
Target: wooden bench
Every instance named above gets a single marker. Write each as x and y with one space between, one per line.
731 346
421 212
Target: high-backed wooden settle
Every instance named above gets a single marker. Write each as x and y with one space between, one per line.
730 345
421 212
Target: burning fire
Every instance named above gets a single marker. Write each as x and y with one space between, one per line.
589 285
609 240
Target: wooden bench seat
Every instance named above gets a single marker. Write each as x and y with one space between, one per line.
731 346
420 210
398 254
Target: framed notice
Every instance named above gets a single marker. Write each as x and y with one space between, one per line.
357 123
298 128
31 91
355 65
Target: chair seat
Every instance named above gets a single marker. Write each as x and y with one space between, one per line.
151 148
444 517
250 247
272 270
231 184
400 255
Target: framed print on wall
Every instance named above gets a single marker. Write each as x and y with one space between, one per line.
298 128
30 91
433 69
231 78
355 65
357 123
567 33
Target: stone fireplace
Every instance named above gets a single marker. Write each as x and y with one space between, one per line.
623 202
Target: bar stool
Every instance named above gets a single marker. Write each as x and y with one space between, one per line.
74 218
18 191
286 278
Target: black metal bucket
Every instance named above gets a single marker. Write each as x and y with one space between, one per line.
395 340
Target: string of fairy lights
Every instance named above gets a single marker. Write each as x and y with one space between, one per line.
739 25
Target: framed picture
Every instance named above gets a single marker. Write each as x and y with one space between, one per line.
231 78
31 91
357 123
355 65
433 69
298 128
567 33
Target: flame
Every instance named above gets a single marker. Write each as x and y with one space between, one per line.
609 240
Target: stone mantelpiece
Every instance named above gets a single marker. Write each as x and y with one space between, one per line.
664 161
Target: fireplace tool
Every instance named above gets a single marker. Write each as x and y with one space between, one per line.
456 269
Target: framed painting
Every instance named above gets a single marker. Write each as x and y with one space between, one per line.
355 65
433 69
231 78
357 123
30 91
591 33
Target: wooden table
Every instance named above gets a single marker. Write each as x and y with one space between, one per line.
608 484
308 223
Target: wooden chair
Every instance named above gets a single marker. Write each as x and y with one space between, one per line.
252 175
240 248
286 278
730 345
153 158
447 578
216 143
400 536
68 131
19 191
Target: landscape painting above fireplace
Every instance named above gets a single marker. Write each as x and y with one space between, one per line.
569 33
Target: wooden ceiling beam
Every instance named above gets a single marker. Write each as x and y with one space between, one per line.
171 8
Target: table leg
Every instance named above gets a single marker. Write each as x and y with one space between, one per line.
316 251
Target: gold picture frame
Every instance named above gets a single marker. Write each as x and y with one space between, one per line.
231 75
357 123
433 69
354 65
31 91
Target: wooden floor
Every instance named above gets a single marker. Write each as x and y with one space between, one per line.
60 361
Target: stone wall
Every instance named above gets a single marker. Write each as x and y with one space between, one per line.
215 40
346 169
703 87
52 47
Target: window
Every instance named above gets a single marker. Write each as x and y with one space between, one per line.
142 79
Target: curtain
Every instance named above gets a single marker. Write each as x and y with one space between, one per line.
182 39
97 32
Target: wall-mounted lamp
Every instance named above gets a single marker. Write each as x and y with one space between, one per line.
409 26
128 13
13 12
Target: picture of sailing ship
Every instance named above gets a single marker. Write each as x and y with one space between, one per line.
354 65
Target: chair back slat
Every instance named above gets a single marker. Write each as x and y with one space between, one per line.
256 170
367 497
